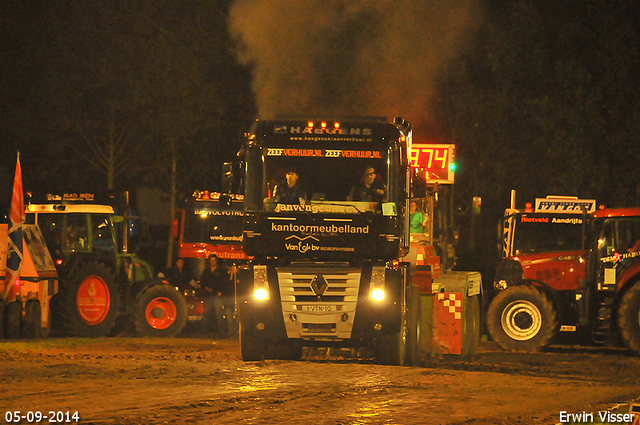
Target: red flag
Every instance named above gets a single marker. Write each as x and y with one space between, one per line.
16 216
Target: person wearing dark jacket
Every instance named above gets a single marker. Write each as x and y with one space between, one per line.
219 302
370 189
177 276
290 191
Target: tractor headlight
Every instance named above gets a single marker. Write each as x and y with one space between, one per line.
376 291
260 283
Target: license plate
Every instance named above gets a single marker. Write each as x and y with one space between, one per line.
319 308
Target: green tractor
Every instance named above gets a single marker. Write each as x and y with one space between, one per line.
99 281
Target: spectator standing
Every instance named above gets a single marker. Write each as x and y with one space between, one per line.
219 301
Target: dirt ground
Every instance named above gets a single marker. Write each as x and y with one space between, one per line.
203 380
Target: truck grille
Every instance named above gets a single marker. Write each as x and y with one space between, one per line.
334 286
319 299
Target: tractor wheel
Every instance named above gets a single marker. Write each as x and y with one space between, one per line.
32 320
160 311
88 304
251 348
629 318
522 318
413 356
12 317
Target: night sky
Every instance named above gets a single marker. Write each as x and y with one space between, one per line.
538 96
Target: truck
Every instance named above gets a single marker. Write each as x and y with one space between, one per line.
568 272
208 223
99 280
25 308
329 270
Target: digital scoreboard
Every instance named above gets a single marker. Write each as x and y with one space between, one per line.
436 160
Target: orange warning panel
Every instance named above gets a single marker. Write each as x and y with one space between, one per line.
447 322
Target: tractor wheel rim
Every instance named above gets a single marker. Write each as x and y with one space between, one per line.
93 300
161 313
521 320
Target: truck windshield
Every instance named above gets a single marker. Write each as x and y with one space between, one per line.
212 226
536 233
328 177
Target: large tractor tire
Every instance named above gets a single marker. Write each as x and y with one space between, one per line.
629 318
251 347
32 327
522 318
12 316
161 311
88 301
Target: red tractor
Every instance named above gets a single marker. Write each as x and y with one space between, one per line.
567 268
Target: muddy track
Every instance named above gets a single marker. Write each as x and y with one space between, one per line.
203 380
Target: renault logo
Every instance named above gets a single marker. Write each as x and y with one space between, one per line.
319 285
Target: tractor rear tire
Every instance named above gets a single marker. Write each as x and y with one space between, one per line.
12 317
31 327
629 318
89 301
522 318
161 311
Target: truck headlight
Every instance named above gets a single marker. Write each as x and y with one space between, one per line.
260 283
376 287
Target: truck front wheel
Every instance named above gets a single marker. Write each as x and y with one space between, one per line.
251 347
391 349
161 311
629 318
522 318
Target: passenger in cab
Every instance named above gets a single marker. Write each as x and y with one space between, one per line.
370 189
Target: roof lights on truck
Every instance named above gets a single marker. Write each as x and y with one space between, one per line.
260 283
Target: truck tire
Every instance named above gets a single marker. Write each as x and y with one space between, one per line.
522 318
390 349
251 348
32 320
12 316
160 311
88 304
413 355
629 318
